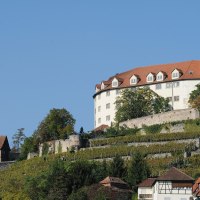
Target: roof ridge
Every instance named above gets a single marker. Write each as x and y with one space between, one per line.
182 172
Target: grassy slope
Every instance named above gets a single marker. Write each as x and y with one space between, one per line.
12 180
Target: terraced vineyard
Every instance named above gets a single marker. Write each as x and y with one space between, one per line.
143 138
12 180
125 150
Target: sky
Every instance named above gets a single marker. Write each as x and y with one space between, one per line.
52 53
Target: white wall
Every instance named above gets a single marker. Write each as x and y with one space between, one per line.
183 91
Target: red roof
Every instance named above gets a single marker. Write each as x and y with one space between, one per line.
149 182
188 69
101 128
109 180
3 139
174 175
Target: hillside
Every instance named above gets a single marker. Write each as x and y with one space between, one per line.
12 180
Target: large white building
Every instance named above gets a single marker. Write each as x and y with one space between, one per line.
174 81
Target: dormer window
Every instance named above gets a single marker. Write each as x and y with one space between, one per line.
133 80
176 74
159 76
150 78
115 83
102 86
97 89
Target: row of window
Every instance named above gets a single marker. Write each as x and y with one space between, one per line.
151 77
157 87
117 92
176 98
99 107
168 85
107 119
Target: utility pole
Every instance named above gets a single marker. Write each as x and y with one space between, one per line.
172 95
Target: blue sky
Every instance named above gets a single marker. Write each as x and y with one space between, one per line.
52 53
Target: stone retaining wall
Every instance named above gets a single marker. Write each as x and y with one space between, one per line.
171 116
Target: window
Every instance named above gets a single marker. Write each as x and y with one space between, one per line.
107 105
115 83
168 85
117 92
133 81
176 98
102 86
99 108
175 74
167 198
150 78
99 120
108 93
108 118
99 96
159 76
169 98
133 89
176 84
158 86
95 110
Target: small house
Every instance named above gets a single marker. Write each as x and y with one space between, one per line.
4 149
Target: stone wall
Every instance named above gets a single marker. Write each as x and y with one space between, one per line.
171 116
60 146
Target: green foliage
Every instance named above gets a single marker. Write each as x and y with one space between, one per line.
144 138
79 195
192 125
194 99
18 139
45 149
139 103
117 168
138 170
61 179
153 128
58 124
29 145
59 147
135 196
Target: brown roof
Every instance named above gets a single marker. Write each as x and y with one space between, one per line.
188 69
101 128
174 175
110 179
2 141
149 182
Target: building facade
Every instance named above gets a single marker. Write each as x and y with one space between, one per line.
174 81
4 149
173 185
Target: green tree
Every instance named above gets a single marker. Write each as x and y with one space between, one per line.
139 103
58 124
117 168
79 195
194 99
138 170
29 145
18 139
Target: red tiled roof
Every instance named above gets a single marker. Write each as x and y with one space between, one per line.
149 182
101 128
174 175
2 141
110 179
188 69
